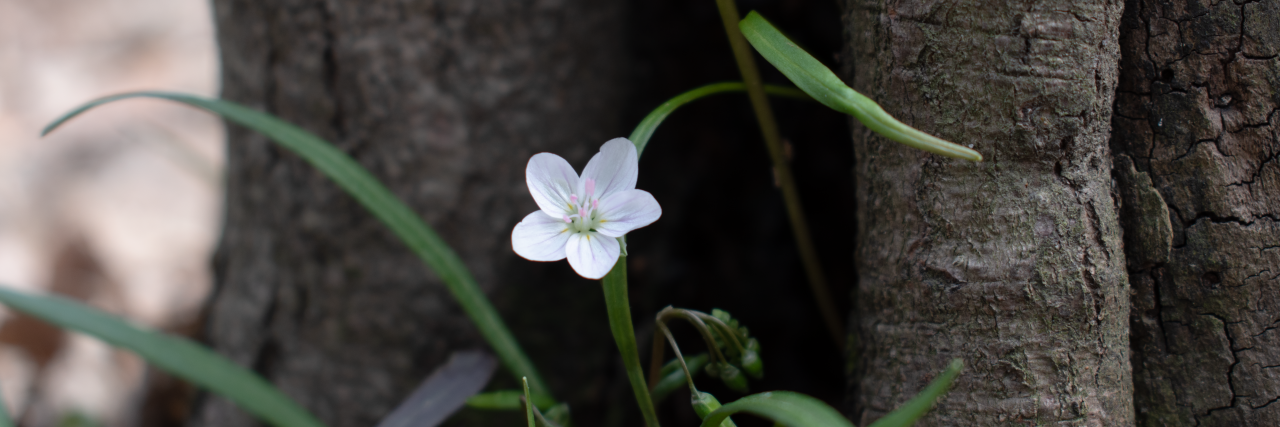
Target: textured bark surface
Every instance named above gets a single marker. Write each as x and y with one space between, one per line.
445 101
1013 264
1196 116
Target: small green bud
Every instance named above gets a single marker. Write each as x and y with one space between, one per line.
752 345
722 315
733 378
713 369
751 363
704 403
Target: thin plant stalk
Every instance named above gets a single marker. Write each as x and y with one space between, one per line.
703 330
616 301
688 376
782 170
724 329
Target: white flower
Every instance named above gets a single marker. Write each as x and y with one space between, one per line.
581 219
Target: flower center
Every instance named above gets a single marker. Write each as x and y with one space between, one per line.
583 213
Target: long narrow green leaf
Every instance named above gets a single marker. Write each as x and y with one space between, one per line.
783 407
384 205
640 136
528 402
178 356
507 400
909 412
819 82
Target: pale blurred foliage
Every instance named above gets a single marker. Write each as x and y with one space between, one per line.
120 207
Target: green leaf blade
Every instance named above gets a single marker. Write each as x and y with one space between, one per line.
384 205
814 78
507 400
181 357
782 407
909 412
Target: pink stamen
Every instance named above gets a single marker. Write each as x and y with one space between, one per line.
573 198
591 187
567 220
595 204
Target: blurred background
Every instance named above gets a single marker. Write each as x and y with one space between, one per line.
118 208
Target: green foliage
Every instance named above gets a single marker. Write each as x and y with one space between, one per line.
384 205
673 375
704 404
643 131
798 410
909 412
782 407
819 82
528 399
507 400
178 356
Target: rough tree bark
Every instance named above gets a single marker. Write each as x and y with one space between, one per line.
445 101
1196 142
1013 264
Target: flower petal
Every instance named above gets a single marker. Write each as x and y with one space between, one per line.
551 181
540 238
614 168
591 254
627 210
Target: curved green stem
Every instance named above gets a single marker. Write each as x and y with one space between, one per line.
697 323
616 301
724 329
644 131
688 376
791 197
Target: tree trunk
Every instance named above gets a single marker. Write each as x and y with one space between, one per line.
1196 141
1014 264
445 101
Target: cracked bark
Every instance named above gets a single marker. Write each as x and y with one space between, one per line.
444 101
1196 112
1013 264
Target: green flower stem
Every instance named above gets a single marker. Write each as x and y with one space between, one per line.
769 128
615 299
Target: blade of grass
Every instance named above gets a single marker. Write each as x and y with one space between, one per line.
178 356
819 82
783 408
909 412
384 205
